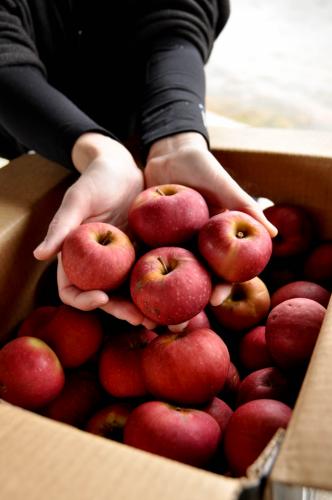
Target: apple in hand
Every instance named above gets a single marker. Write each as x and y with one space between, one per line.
292 328
253 351
305 289
109 422
184 434
238 306
235 245
168 214
295 229
97 256
249 430
74 335
30 373
169 285
120 363
266 383
187 368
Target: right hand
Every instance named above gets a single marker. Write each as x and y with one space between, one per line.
109 182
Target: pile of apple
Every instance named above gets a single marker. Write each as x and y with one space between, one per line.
234 319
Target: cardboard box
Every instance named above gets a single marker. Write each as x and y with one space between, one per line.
41 458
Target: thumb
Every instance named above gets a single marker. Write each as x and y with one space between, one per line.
70 214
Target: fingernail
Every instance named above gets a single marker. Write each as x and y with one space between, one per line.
39 248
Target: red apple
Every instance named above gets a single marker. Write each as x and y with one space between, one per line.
238 306
231 385
292 328
220 411
110 421
266 383
318 264
30 373
168 214
199 321
187 435
78 399
35 322
295 229
249 430
169 285
305 289
97 256
253 351
74 335
235 245
188 368
120 365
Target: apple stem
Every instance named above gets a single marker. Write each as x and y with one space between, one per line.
165 268
159 191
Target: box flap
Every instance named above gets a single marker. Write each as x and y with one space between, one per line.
46 459
306 454
31 189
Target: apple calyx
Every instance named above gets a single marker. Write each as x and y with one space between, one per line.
105 238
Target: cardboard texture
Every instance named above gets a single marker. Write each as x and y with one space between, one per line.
44 459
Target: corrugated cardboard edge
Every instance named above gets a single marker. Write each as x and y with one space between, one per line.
41 458
31 189
305 458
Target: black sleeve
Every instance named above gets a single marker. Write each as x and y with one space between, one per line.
176 38
33 112
38 116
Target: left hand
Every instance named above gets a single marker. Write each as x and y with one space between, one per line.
185 159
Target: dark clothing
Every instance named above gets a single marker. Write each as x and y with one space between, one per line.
125 67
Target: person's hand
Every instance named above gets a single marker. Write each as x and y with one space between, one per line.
109 181
185 159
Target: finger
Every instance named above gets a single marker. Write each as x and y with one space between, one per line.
73 296
258 214
70 214
124 309
178 328
219 293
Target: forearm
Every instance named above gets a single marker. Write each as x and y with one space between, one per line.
40 117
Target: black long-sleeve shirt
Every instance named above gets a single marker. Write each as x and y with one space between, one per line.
72 66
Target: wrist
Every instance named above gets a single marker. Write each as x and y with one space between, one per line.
92 145
174 143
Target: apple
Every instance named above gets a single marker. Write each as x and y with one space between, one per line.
201 320
74 335
249 430
318 264
235 245
79 398
34 323
168 214
184 434
295 229
30 373
170 285
187 368
220 411
282 270
231 385
120 363
97 256
239 306
305 289
109 422
266 383
253 351
292 328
